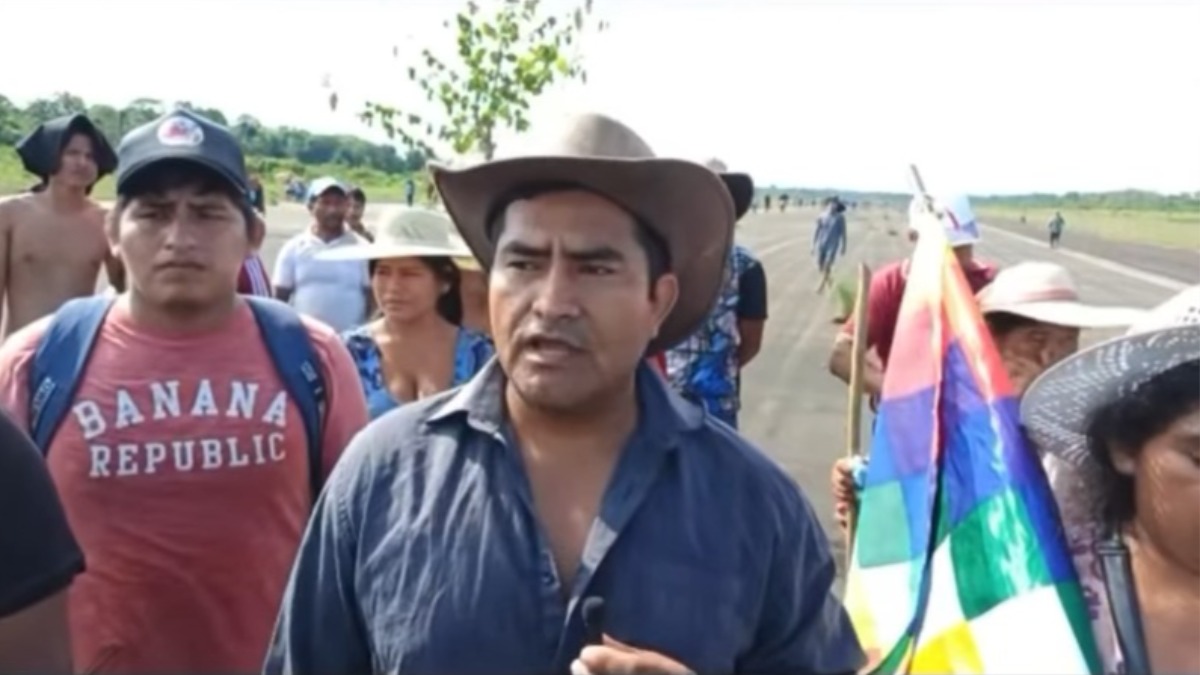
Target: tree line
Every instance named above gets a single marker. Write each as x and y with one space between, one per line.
1123 200
258 140
291 145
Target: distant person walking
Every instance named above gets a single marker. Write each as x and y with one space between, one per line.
1056 229
829 240
410 190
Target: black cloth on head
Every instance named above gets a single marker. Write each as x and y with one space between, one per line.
41 150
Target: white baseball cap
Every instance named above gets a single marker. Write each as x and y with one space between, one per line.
1045 292
952 213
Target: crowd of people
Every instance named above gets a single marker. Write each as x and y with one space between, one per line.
498 438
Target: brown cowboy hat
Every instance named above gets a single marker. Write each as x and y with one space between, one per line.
685 204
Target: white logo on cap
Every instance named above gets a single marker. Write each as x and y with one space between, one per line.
180 131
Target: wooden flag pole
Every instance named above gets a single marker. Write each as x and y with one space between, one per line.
919 184
854 408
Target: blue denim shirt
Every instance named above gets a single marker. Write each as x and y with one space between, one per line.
424 557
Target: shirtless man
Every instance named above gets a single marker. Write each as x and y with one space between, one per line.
52 241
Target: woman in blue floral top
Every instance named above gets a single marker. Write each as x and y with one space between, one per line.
416 345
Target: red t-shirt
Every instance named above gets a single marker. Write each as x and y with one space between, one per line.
887 290
183 470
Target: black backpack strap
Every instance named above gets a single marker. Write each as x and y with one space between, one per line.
299 367
1123 602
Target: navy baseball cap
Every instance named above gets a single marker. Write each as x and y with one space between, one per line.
182 135
324 184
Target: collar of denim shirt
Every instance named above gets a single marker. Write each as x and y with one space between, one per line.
663 414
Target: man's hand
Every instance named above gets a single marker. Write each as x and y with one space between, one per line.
617 658
844 488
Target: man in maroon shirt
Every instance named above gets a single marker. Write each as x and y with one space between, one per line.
887 288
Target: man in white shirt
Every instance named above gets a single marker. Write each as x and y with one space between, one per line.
334 291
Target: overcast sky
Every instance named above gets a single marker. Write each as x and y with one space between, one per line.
989 97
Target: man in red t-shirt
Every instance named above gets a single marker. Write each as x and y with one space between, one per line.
888 283
183 464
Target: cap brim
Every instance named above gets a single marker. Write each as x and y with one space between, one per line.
741 189
1072 314
383 251
686 204
169 154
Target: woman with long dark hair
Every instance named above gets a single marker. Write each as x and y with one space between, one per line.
416 345
1120 426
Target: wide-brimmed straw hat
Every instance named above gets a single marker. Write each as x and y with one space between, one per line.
405 232
684 203
1057 407
1045 292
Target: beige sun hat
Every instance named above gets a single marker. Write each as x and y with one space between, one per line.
405 232
1045 292
684 203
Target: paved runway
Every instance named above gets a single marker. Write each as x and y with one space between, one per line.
792 407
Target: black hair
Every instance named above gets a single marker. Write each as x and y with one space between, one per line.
449 304
174 173
658 254
1000 324
1127 423
357 195
77 127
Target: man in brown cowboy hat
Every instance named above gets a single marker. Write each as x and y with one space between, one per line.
564 510
52 241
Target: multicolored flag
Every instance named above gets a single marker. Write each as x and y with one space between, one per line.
959 563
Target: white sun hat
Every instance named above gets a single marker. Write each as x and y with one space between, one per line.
952 213
1056 408
1045 292
405 232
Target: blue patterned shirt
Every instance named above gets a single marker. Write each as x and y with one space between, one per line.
424 555
471 352
704 367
